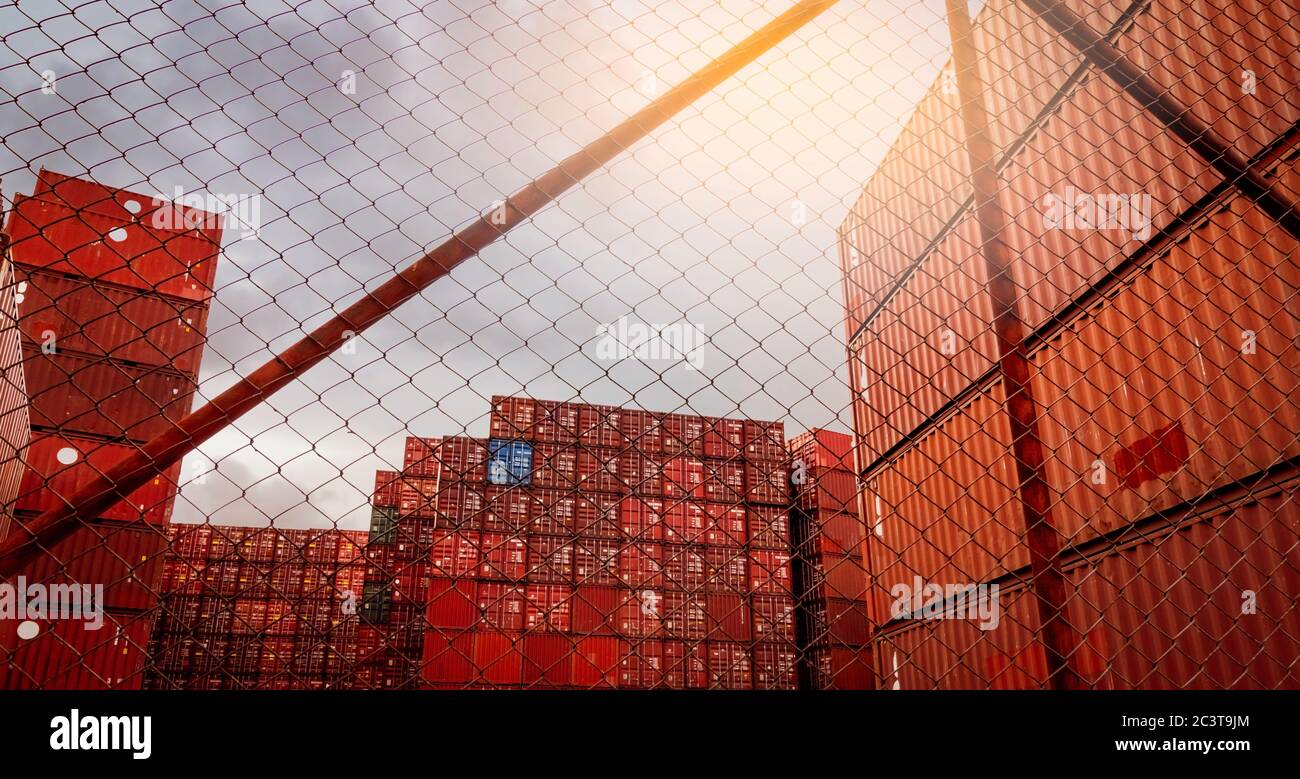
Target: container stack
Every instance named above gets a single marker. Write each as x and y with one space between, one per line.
613 548
112 311
440 483
263 608
830 575
1163 358
15 424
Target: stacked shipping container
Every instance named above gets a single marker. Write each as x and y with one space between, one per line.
112 313
262 608
402 553
15 426
1166 367
608 547
830 574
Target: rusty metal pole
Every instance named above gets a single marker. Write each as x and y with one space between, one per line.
1041 536
1155 100
198 426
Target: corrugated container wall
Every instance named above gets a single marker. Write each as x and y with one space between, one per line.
832 581
262 608
1164 351
586 546
15 426
111 309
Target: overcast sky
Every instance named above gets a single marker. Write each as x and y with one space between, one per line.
456 105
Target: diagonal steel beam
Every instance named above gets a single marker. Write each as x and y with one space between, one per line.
1041 536
1156 100
24 542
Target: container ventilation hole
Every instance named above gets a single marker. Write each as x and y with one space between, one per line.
132 205
118 234
27 630
67 455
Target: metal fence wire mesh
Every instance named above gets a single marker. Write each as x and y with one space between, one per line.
558 343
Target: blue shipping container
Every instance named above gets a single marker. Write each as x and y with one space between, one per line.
510 462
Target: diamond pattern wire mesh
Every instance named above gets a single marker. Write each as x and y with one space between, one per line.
730 412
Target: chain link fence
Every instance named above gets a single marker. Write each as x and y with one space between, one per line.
889 345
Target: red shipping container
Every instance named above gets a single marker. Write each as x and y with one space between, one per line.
57 466
643 431
126 560
643 474
824 449
50 235
725 438
557 512
640 565
548 607
769 572
502 605
644 666
834 533
66 655
83 194
684 435
498 658
598 515
448 658
81 315
687 665
512 418
728 569
509 509
557 422
458 458
547 661
504 557
724 482
595 609
828 491
388 489
455 554
451 604
764 441
729 667
99 397
555 466
775 667
685 567
596 662
838 622
773 618
684 478
421 497
767 482
769 527
834 576
688 522
641 614
730 526
729 618
596 561
684 615
550 560
642 519
598 471
460 505
601 426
